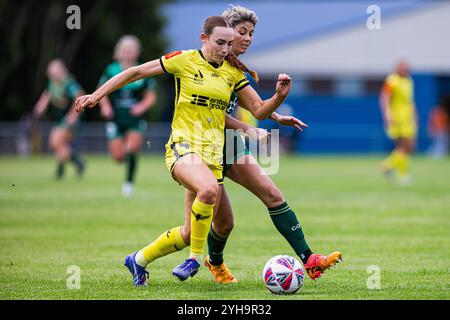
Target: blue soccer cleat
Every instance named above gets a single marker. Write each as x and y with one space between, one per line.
139 273
189 268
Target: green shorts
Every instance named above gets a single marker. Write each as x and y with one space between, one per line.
231 156
115 130
62 124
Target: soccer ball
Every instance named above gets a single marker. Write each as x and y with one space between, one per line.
283 274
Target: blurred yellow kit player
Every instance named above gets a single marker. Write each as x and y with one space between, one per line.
400 120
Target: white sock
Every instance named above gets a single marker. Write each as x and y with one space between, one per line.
197 257
140 259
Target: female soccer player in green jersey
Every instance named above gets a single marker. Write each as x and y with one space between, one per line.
241 167
61 92
204 81
125 108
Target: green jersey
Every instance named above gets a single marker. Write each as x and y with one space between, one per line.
125 98
62 95
232 105
231 155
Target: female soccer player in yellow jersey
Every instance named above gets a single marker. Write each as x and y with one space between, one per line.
204 79
400 121
241 167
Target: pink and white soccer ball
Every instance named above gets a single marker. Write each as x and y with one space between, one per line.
283 274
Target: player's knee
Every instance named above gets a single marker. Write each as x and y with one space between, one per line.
225 227
208 193
119 157
186 234
62 153
55 144
134 148
273 196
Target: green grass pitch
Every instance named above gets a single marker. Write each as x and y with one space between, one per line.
343 204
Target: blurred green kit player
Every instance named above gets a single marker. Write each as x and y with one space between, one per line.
61 93
125 108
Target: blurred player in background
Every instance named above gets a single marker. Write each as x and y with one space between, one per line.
439 130
125 108
61 93
400 121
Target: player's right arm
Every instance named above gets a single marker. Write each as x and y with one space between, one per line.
149 69
385 99
41 104
254 133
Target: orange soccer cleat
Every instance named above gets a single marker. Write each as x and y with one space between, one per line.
221 273
318 263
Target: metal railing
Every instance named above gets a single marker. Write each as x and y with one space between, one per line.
26 138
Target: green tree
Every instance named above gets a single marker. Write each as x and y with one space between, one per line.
33 32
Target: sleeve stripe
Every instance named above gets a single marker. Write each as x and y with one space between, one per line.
241 87
237 84
162 65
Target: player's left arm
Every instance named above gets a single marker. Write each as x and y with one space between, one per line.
72 115
250 100
74 91
290 121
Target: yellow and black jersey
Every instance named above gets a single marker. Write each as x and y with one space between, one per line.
203 91
401 90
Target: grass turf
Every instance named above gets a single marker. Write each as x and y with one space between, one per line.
343 203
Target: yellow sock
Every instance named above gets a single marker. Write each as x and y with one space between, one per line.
167 243
403 164
391 161
201 218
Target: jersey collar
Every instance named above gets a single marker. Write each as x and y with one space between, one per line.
214 65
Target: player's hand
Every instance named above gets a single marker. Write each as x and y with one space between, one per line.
258 134
86 101
292 122
137 110
283 85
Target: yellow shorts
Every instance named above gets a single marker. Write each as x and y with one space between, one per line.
176 150
399 130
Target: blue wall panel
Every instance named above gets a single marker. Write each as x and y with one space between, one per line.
354 124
